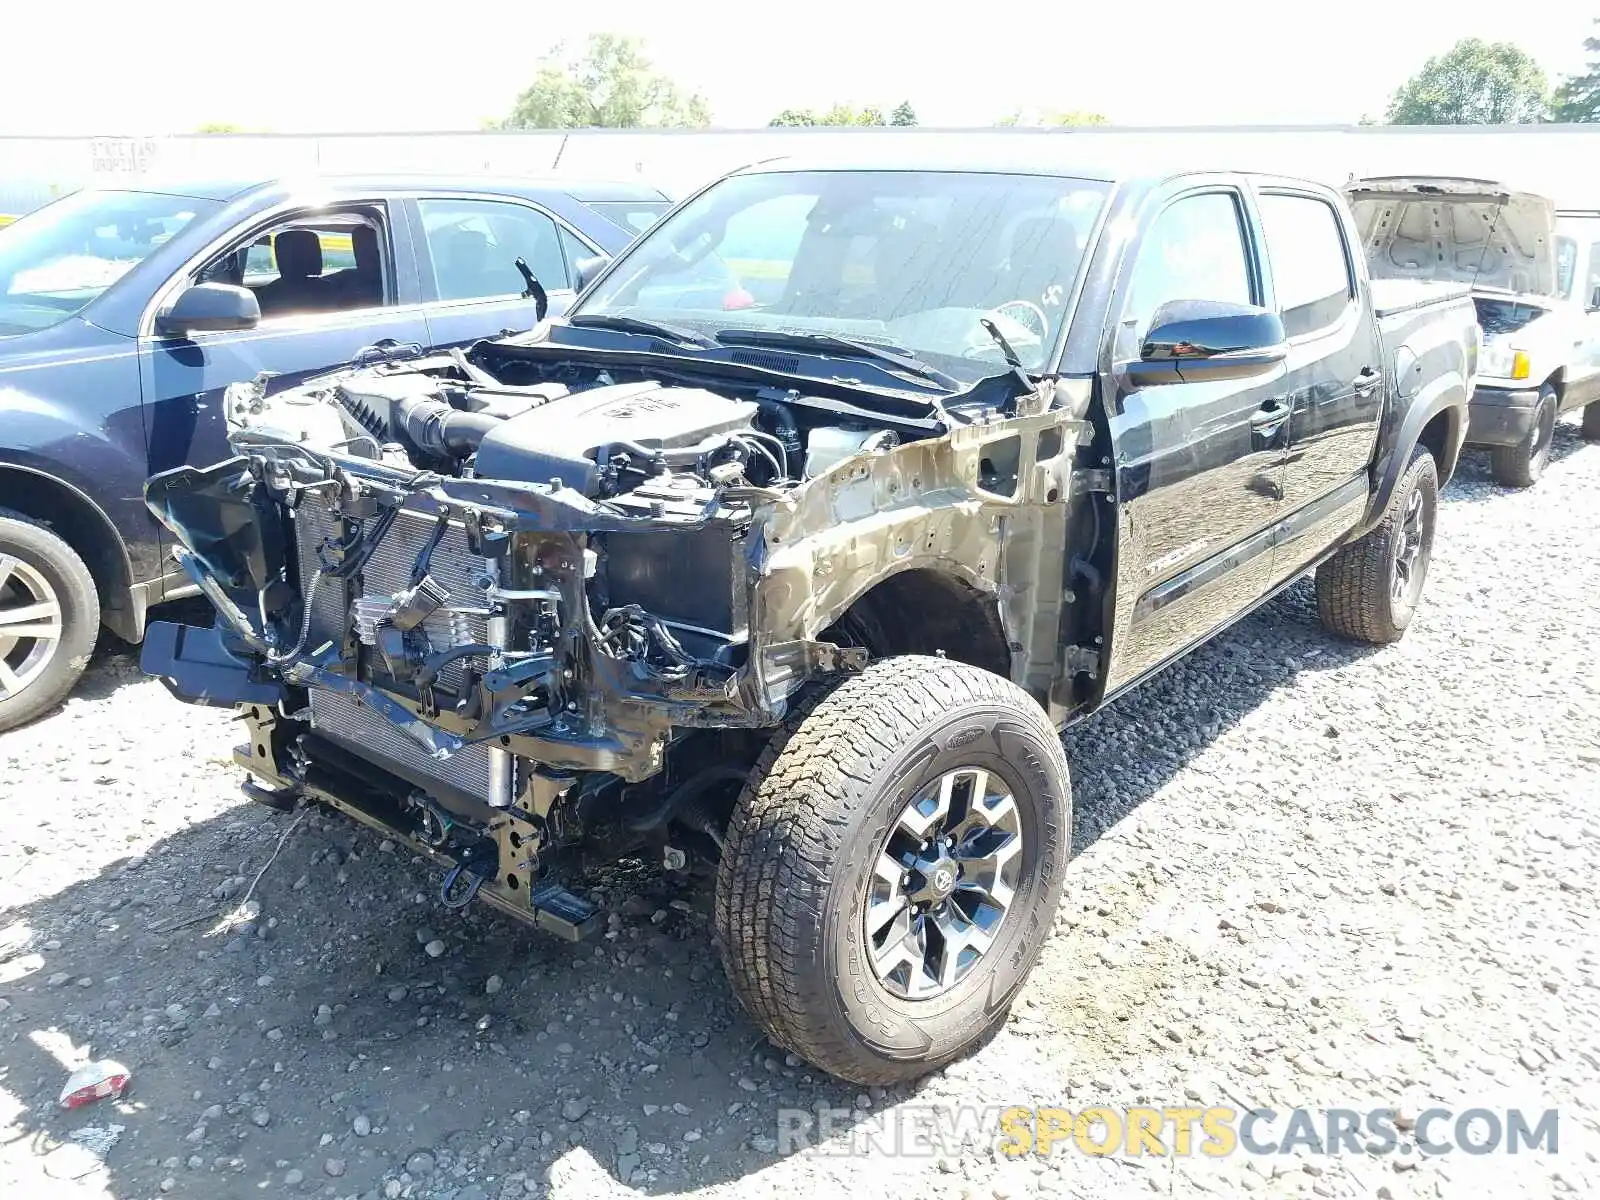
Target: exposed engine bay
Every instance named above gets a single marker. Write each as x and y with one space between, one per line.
1502 317
604 440
508 609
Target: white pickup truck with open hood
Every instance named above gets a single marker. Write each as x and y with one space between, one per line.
1541 325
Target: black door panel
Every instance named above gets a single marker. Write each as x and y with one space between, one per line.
1204 485
1335 367
1199 465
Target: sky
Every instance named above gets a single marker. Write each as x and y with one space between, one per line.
92 67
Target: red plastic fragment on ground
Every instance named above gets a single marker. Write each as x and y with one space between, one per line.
94 1081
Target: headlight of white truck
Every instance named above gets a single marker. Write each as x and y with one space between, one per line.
1499 360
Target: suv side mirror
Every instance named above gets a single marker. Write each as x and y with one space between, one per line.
1194 340
586 269
1594 299
210 308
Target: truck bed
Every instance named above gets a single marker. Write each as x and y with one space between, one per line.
1434 321
1392 296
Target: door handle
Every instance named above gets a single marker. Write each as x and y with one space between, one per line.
1367 380
1269 416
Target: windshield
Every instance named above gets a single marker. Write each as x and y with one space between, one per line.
57 260
910 259
1566 266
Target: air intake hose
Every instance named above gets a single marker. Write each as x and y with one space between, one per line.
436 428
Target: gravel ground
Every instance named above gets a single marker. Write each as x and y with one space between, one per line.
1306 874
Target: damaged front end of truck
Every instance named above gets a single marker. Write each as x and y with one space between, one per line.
525 623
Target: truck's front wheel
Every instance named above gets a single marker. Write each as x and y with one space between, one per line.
1521 465
1590 428
893 867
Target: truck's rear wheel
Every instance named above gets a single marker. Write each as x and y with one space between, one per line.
1521 465
1369 590
1590 428
49 618
893 866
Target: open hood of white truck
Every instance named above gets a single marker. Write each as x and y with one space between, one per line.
1471 231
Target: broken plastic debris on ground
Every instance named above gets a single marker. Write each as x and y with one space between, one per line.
97 1139
94 1081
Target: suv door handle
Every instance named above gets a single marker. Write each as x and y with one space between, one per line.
1367 380
1269 416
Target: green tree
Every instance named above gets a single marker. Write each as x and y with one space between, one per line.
1475 83
1578 97
846 114
839 114
611 85
903 114
1051 117
1077 116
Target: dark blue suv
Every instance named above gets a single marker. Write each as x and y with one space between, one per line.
125 316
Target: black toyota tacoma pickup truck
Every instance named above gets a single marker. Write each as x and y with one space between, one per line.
789 549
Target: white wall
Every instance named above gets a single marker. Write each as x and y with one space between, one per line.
1556 160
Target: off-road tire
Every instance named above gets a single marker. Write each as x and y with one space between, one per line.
33 544
808 827
1521 465
1355 596
1589 428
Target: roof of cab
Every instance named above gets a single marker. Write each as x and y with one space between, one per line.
1045 152
225 190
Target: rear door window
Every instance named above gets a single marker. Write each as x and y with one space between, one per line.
1310 267
474 246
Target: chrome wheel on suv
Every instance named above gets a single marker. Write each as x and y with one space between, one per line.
30 625
49 617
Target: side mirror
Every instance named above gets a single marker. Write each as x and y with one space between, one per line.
1594 299
1195 340
586 269
210 308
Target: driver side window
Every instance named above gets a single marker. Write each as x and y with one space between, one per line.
328 263
1195 250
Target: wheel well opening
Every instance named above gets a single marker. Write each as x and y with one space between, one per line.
1440 437
926 611
82 527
